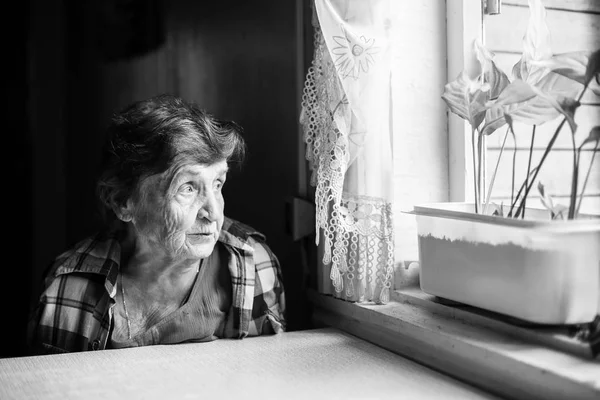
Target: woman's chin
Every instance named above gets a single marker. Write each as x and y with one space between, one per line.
201 248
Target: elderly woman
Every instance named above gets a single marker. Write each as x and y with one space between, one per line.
169 267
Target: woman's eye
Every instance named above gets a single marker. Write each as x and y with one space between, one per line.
186 189
219 185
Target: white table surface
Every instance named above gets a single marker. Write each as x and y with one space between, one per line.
311 364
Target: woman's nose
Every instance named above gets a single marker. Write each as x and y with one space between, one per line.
209 208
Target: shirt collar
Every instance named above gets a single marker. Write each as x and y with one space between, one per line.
101 254
236 234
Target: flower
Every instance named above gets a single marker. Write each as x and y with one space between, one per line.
353 54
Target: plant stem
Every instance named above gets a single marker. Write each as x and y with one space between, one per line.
523 186
574 178
529 166
479 168
475 183
514 163
539 166
548 148
489 193
587 175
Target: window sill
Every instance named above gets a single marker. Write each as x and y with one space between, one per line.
498 357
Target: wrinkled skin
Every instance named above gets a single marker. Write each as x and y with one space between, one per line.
177 215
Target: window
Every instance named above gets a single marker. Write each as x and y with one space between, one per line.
574 26
432 163
431 166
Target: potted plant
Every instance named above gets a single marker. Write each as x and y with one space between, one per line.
536 265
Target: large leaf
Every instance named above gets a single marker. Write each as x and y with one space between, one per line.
531 105
557 211
497 80
494 119
594 136
492 75
572 65
515 94
518 91
537 52
566 106
534 102
536 42
534 65
533 96
593 68
481 81
580 66
518 99
465 99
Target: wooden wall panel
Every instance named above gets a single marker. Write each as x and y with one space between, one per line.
586 117
572 5
555 174
570 31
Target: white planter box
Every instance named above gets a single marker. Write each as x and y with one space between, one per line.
533 269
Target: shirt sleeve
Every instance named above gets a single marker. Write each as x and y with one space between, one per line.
268 310
46 332
67 316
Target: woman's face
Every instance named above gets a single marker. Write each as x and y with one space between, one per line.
180 212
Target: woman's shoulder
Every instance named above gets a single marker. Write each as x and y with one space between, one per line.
93 257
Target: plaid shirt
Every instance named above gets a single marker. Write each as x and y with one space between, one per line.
75 309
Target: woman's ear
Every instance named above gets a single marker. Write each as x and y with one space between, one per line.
123 212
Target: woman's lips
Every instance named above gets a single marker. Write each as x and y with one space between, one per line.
201 237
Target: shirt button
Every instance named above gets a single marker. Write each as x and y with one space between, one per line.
95 344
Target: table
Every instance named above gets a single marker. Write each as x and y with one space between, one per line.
311 364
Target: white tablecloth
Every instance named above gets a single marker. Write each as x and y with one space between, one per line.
311 364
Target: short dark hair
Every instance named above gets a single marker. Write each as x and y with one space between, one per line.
149 136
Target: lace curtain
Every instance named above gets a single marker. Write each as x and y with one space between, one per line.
347 129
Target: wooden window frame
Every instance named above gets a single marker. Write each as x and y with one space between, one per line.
464 24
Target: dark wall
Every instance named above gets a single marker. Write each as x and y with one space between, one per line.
16 181
85 59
